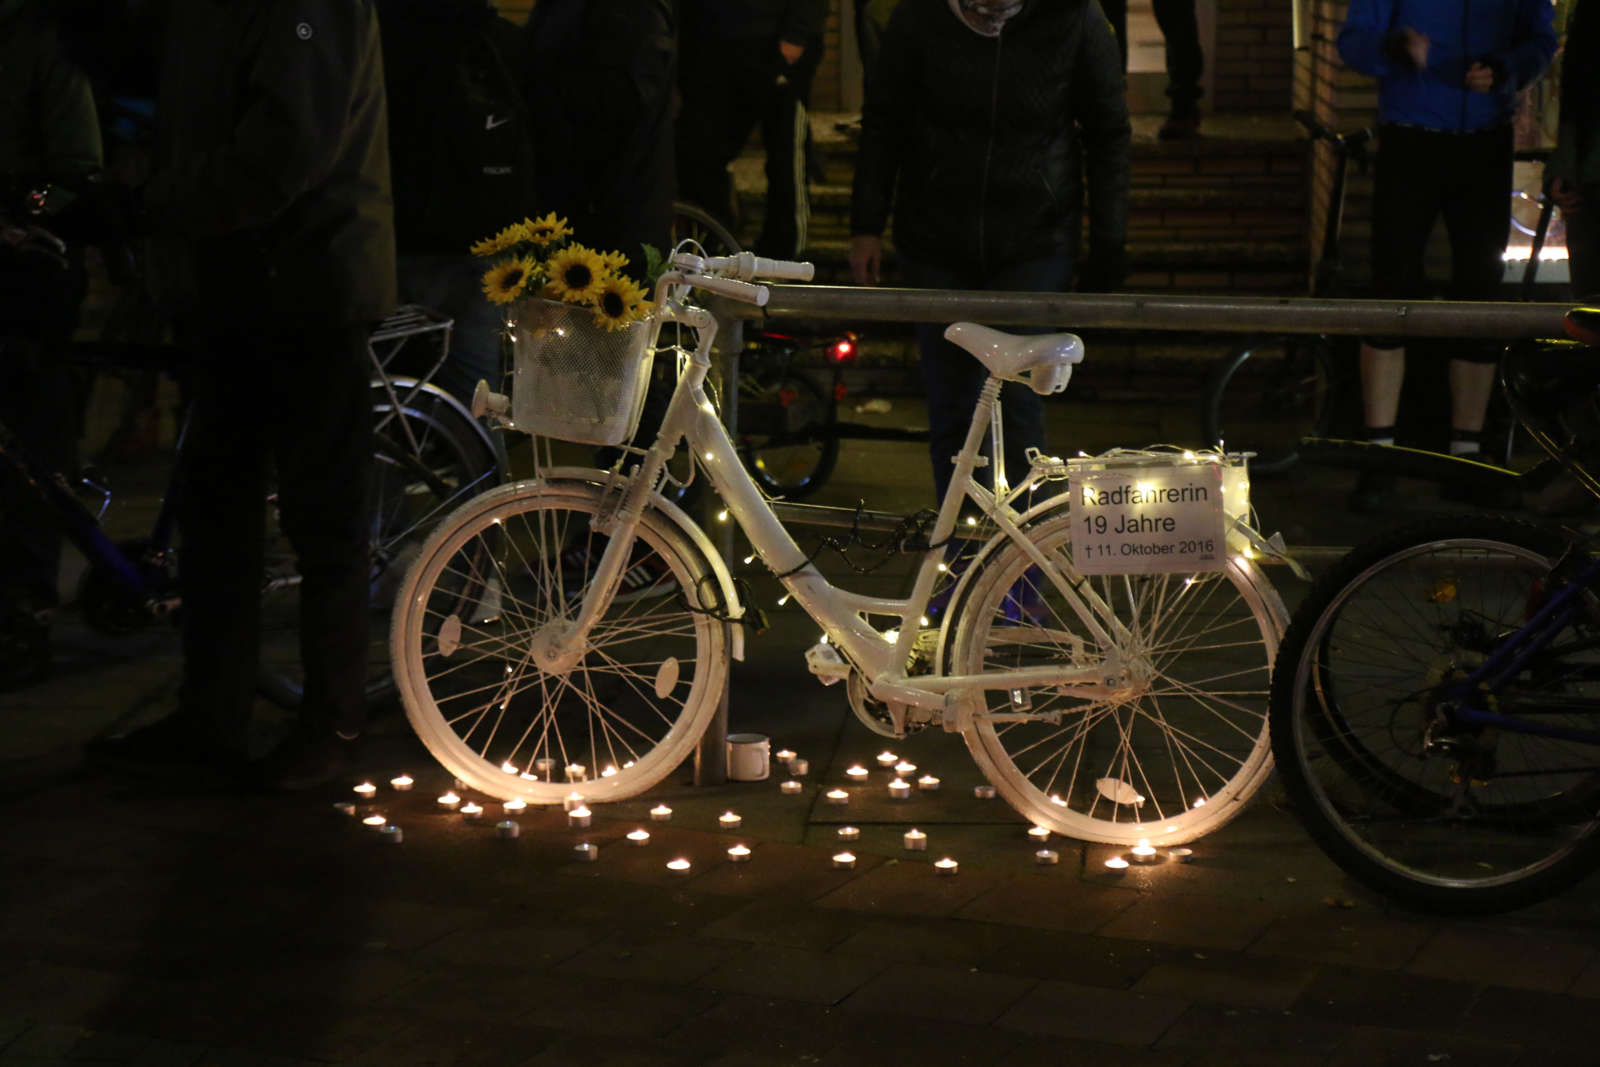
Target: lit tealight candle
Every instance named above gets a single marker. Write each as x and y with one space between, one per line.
856 773
799 767
508 767
579 817
915 841
402 784
660 813
946 866
836 796
391 835
375 821
449 800
790 787
514 805
899 789
1182 855
1116 864
571 801
365 790
545 767
983 792
1143 852
640 836
849 833
586 852
887 759
1040 834
729 820
1046 857
927 783
577 772
783 755
469 810
905 768
507 829
679 866
844 861
739 854
608 771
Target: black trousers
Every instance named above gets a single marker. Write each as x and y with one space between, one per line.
1180 32
728 88
293 405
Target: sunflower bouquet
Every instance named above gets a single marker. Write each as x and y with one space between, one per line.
537 257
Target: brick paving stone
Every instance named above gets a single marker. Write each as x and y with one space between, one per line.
427 1043
796 1032
559 1001
666 960
1229 978
1364 996
1116 1017
1060 1051
793 974
1587 984
11 1027
1517 958
1216 1029
57 1042
1344 938
163 1053
909 888
600 1051
505 946
1370 1046
322 1031
900 1039
1204 922
959 994
1082 959
1248 1057
778 868
1531 1019
782 921
914 940
1053 903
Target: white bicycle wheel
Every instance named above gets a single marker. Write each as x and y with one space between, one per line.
491 581
1172 756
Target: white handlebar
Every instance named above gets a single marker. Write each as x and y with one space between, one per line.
729 287
746 267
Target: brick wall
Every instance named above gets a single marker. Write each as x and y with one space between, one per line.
1252 68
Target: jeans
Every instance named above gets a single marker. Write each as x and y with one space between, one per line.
952 378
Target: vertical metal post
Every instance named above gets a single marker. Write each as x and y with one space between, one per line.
711 757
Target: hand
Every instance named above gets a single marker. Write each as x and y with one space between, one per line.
866 258
1567 197
1416 46
791 52
1480 78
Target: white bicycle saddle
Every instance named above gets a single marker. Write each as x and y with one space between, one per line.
1044 361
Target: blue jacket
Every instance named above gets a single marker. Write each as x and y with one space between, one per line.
1515 37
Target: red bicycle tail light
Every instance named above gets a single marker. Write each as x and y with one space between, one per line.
844 348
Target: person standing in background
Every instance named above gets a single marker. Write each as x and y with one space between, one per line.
1572 176
1180 36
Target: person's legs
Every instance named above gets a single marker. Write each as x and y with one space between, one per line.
784 126
1185 63
717 82
453 285
1583 246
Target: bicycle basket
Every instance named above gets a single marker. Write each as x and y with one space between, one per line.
575 380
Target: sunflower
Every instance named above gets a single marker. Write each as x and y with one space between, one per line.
506 280
576 273
503 241
546 231
621 301
615 262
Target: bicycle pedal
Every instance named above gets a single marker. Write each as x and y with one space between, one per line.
824 661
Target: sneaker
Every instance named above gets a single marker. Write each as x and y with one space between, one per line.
305 760
649 577
1179 127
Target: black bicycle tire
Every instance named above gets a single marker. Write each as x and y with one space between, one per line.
1439 468
827 458
1330 593
1223 375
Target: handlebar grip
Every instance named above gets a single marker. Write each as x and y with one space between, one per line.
730 287
747 266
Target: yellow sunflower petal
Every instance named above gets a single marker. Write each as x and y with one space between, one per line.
503 241
507 279
547 230
577 274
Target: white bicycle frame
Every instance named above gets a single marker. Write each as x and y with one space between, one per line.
880 657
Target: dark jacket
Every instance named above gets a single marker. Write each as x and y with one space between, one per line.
600 78
981 143
48 128
270 194
796 21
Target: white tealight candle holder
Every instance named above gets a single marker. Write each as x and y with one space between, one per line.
783 755
515 806
1116 865
836 796
1041 834
402 784
586 852
983 792
344 807
527 777
391 835
508 829
580 818
1047 857
899 789
472 811
1182 855
375 821
450 800
887 759
640 837
660 813
679 866
508 767
729 820
915 840
577 772
608 771
1143 852
739 854
905 768
366 790
545 768
799 767
849 833
927 783
790 787
572 801
946 866
856 773
844 861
